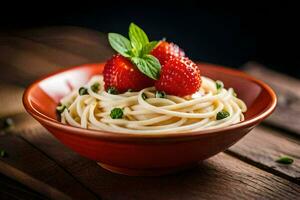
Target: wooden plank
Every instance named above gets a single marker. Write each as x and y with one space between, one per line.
29 166
11 97
30 60
79 41
25 56
77 34
21 121
40 50
94 54
287 113
263 146
10 189
33 183
219 177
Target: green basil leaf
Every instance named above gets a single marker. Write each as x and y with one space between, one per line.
130 53
285 160
148 47
222 115
3 153
119 43
148 65
116 113
134 52
137 36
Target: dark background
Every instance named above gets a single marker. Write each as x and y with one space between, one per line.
227 33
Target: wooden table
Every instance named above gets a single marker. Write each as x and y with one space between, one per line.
37 166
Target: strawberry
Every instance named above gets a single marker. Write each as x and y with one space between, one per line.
179 76
164 50
121 74
133 68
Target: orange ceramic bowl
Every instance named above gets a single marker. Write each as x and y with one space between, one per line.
142 154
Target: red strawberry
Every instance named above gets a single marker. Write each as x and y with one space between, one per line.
179 76
122 74
165 50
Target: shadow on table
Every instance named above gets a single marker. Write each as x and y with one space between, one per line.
206 180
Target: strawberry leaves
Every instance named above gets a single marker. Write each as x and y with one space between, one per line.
119 43
148 65
138 37
148 47
137 49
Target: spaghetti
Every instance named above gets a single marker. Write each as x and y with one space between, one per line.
147 112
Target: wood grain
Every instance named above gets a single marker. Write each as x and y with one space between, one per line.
29 60
10 189
25 56
83 42
263 146
74 33
34 169
37 185
220 176
11 97
287 112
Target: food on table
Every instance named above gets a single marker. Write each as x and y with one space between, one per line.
150 87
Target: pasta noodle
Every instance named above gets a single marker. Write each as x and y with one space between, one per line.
152 115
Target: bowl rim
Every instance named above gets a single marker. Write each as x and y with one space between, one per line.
113 136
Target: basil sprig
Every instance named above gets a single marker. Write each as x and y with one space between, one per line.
137 49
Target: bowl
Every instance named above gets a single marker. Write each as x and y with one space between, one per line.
144 154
